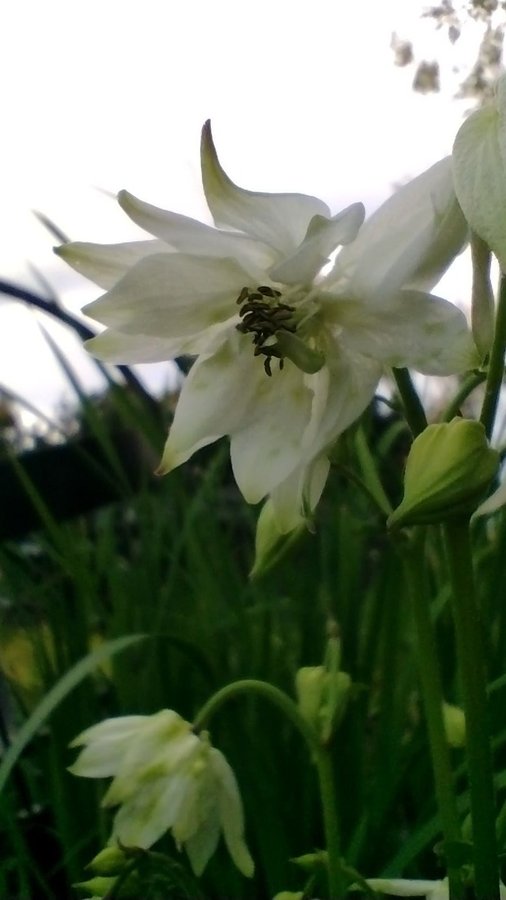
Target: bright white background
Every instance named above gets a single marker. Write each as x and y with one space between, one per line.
101 95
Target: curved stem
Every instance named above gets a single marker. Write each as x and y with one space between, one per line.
496 364
413 409
319 753
471 659
432 695
467 387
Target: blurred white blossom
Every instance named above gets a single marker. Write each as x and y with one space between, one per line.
166 777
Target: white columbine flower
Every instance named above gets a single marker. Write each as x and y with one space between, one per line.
404 887
166 777
286 359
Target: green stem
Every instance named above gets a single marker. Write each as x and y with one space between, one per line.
496 364
471 659
319 753
413 409
432 694
467 387
370 472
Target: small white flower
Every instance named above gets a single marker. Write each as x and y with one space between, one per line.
404 887
286 359
166 777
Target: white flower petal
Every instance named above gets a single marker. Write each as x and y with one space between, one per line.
266 447
150 812
411 239
404 887
156 752
280 220
201 845
115 347
231 813
418 330
479 168
119 728
105 264
492 503
172 295
341 392
213 400
322 237
190 236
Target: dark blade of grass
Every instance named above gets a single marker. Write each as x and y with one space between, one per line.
55 696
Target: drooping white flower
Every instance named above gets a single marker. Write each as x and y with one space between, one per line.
286 359
405 887
166 777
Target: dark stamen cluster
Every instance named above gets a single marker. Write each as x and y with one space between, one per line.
262 316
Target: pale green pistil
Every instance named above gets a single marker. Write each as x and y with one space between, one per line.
264 316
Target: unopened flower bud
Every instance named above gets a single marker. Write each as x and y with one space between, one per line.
289 895
312 862
449 467
98 886
455 725
270 542
322 697
110 861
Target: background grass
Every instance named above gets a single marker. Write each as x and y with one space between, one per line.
169 559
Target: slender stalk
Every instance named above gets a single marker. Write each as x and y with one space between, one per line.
496 364
319 753
413 409
370 472
470 652
432 694
466 388
326 781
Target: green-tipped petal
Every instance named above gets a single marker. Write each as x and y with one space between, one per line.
279 220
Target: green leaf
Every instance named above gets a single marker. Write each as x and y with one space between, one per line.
54 697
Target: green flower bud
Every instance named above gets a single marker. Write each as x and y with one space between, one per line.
289 895
322 697
455 725
270 543
312 862
110 861
98 886
449 468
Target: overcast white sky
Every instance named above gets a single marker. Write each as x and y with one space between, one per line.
106 94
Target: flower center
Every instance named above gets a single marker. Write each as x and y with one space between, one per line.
264 316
